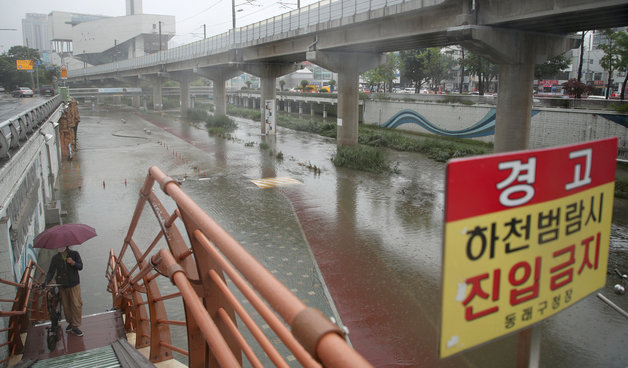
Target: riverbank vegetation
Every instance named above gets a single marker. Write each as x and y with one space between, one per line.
437 148
220 125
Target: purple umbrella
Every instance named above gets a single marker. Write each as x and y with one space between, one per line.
61 236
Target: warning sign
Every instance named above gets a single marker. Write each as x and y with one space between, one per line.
526 236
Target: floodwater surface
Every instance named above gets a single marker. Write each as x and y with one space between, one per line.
376 239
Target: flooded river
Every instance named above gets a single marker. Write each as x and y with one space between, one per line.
376 239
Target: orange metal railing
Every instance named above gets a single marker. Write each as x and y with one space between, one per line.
202 272
27 299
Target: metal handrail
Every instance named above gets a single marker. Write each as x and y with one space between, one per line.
19 318
200 272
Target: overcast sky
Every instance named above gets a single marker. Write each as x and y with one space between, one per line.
190 15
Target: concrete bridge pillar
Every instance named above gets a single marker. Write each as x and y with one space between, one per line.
136 100
312 109
300 108
156 81
324 111
268 74
184 79
218 75
348 65
135 83
516 53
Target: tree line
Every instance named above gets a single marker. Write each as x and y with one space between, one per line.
427 67
11 77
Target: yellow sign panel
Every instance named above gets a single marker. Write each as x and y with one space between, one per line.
24 64
507 270
526 236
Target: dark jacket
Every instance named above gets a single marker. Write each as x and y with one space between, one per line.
67 275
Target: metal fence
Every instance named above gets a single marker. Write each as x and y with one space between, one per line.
310 19
211 274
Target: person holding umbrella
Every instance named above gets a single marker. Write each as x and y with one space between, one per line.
66 265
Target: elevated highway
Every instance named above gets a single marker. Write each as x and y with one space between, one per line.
350 37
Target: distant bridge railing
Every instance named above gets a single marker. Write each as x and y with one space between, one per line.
18 128
302 21
209 274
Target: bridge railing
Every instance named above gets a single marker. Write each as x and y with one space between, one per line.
17 129
213 274
27 299
300 21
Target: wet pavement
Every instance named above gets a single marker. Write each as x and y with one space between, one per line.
376 239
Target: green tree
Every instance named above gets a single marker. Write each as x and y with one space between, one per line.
383 74
304 83
332 84
438 66
551 67
412 67
282 83
611 59
248 84
482 68
616 57
10 77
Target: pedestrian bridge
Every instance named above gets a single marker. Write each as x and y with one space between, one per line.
350 37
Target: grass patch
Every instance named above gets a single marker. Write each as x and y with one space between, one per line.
438 149
242 112
620 108
220 125
196 114
363 158
324 128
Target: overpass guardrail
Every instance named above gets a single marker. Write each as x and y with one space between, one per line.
17 129
302 21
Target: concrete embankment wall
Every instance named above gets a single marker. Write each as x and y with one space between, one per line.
27 202
549 127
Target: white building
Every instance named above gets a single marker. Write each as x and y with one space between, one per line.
77 40
35 32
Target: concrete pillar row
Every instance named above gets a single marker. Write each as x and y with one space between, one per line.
516 53
268 73
348 65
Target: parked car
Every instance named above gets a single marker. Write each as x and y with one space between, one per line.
23 92
2 90
47 91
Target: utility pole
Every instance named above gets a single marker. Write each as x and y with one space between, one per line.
159 35
204 31
28 54
233 13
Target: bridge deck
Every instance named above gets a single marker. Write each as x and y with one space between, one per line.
99 330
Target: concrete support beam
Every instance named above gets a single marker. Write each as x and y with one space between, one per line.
516 53
348 65
268 74
219 75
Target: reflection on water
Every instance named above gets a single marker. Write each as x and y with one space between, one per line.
376 238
